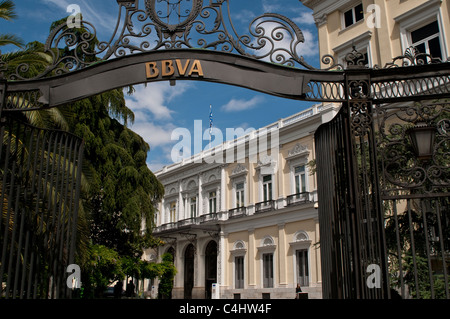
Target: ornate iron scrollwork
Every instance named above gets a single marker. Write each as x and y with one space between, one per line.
412 57
174 8
403 170
173 24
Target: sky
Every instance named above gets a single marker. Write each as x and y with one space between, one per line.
160 108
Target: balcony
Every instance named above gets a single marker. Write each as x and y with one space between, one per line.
297 199
237 212
165 227
264 206
188 221
209 218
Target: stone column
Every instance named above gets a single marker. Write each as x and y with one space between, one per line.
251 259
282 269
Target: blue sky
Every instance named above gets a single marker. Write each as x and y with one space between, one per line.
160 108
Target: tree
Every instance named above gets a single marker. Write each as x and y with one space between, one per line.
166 280
7 12
104 266
120 190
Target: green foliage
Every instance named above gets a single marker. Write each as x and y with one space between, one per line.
166 280
120 191
122 188
8 13
103 267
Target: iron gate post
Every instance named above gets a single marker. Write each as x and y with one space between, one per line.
369 253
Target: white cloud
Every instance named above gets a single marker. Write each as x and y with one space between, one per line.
153 118
270 6
155 135
154 98
241 105
310 47
151 98
304 18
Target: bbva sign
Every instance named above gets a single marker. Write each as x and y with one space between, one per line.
167 68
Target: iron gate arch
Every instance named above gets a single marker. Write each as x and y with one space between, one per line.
353 149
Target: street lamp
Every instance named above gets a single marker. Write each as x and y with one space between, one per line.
422 138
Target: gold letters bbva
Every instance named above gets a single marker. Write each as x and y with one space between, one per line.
166 68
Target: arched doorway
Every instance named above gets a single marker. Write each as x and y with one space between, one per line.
210 267
189 256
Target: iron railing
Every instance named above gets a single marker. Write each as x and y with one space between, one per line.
299 198
39 196
237 212
266 206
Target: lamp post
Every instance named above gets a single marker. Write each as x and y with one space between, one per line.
422 138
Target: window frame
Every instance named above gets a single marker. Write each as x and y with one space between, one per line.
427 39
307 265
419 17
238 201
302 185
351 9
193 214
239 250
271 263
267 188
172 212
212 199
239 283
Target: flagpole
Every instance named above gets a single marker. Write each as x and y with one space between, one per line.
210 124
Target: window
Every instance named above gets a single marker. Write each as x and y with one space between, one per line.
300 179
240 195
353 15
239 272
302 267
427 40
268 270
172 212
212 203
267 188
193 204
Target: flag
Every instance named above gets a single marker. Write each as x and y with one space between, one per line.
210 120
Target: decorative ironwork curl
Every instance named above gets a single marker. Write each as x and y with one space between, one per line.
412 57
402 169
191 24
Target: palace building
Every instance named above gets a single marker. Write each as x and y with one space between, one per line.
251 226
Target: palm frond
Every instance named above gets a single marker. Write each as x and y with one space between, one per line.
7 10
11 39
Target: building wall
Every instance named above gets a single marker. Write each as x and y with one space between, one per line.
281 223
389 38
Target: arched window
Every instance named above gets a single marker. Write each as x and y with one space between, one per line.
301 236
239 245
267 241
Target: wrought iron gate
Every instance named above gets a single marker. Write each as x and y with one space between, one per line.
39 194
383 202
39 200
384 212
